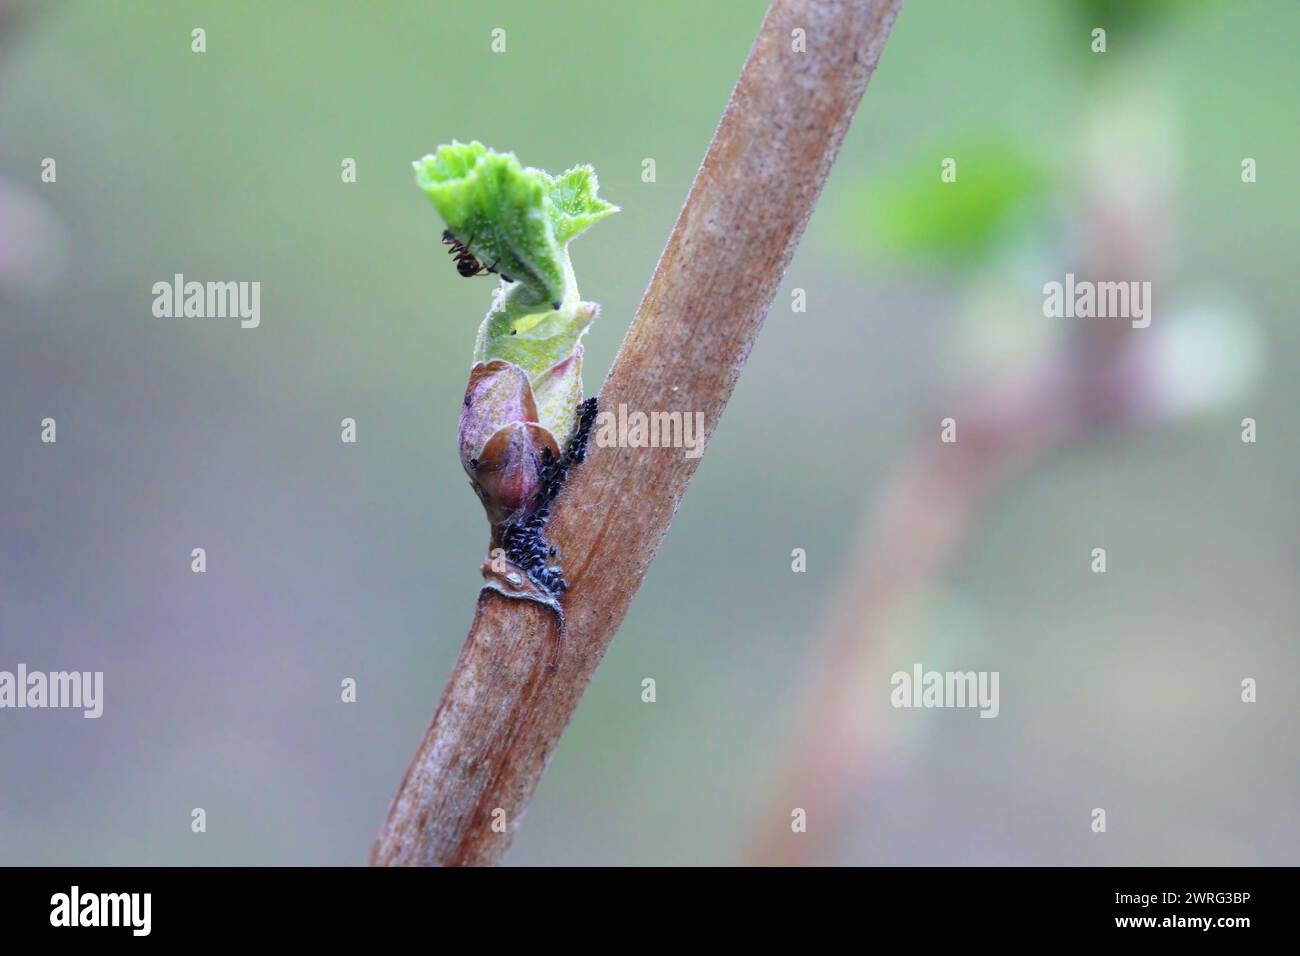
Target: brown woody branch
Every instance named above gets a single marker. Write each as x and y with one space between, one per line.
504 709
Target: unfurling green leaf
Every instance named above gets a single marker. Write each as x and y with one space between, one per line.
514 219
574 205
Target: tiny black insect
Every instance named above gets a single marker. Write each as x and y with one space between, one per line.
467 263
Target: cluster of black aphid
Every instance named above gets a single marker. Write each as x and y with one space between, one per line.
524 540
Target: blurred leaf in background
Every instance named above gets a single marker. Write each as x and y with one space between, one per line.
994 192
1131 15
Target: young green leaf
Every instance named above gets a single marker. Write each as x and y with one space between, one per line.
574 204
516 220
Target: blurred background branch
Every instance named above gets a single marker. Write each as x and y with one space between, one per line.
1088 385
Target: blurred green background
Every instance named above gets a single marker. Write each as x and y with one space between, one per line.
328 560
